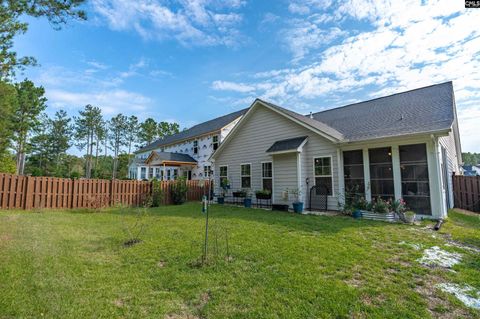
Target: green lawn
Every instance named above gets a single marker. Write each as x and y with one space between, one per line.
73 264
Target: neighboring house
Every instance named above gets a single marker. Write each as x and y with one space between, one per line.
471 170
404 145
186 153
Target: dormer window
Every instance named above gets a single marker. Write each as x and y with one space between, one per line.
215 142
195 147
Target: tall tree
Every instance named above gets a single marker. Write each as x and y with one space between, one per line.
166 129
60 136
85 125
117 136
100 137
40 148
148 132
131 135
30 103
8 100
12 24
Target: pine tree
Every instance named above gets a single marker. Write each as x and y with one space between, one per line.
117 136
85 126
30 104
148 132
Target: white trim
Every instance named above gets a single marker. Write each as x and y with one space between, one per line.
366 174
438 173
397 173
341 176
299 176
331 172
241 186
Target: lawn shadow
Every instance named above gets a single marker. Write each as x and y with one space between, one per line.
291 221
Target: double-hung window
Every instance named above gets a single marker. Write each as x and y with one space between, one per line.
195 147
323 173
245 174
267 174
207 171
215 142
143 172
223 176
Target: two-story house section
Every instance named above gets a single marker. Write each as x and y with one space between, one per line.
185 153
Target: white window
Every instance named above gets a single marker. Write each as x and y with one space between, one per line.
245 174
215 142
195 147
223 175
150 172
157 173
322 167
143 172
169 174
267 174
207 171
175 173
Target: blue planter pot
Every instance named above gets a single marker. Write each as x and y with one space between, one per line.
221 200
357 214
298 207
247 202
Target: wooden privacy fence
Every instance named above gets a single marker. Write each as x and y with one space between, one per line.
28 192
466 192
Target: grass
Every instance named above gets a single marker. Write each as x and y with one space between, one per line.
73 264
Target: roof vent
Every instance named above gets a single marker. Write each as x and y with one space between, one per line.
311 115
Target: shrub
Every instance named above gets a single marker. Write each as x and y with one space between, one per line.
157 193
179 191
264 193
381 206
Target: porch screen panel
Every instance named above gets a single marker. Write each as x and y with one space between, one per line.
353 172
415 183
381 173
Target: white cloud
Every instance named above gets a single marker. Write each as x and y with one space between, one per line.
408 44
232 86
191 22
110 101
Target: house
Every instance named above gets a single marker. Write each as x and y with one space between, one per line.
186 153
471 170
405 145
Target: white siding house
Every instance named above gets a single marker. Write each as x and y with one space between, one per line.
389 147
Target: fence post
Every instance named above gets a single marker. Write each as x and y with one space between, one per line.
29 184
112 192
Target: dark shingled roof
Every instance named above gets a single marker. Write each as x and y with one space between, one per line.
172 157
287 145
422 110
199 129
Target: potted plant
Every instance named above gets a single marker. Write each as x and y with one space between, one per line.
225 185
409 217
263 194
297 204
247 201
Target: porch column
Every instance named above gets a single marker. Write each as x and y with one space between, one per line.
164 172
341 177
397 173
139 171
299 176
366 173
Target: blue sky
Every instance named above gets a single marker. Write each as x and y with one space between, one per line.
190 61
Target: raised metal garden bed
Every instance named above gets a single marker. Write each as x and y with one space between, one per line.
389 217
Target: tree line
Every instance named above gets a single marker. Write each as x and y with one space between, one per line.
34 143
